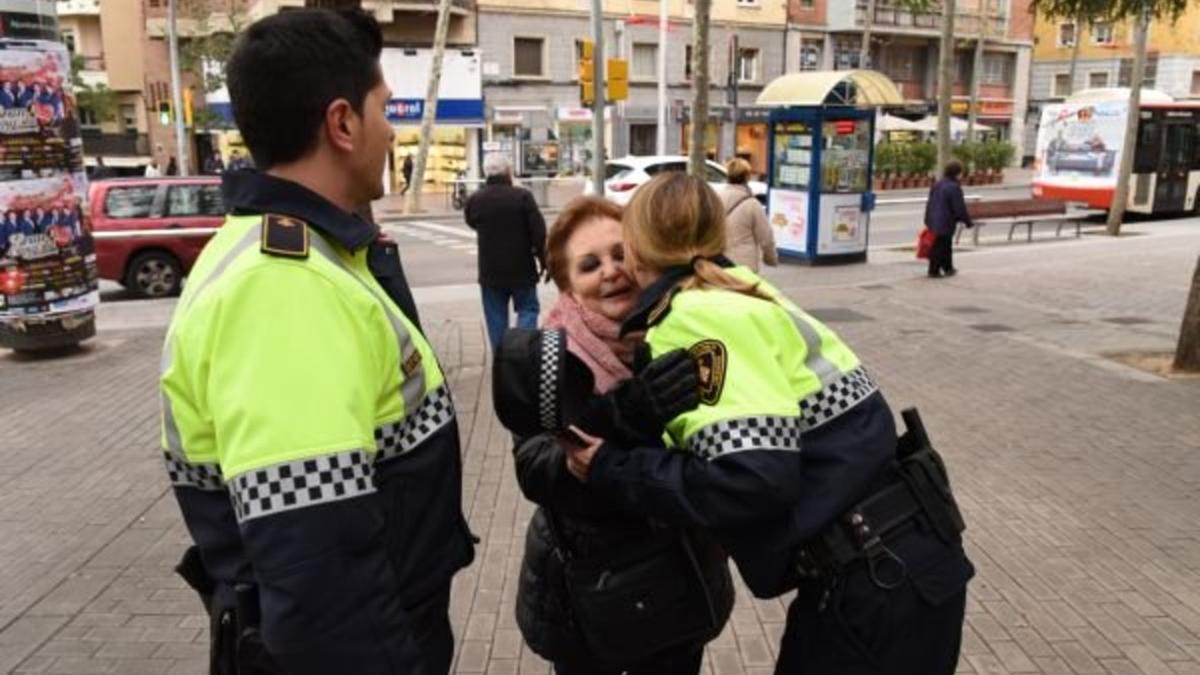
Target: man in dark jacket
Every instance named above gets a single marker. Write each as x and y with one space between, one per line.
512 248
945 209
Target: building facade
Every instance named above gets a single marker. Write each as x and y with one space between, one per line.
905 46
531 51
108 40
408 29
1106 59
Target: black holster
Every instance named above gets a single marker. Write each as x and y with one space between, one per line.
922 468
234 622
917 487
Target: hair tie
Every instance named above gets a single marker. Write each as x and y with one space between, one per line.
696 259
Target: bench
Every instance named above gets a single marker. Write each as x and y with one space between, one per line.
1018 212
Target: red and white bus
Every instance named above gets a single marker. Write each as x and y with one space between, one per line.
1080 143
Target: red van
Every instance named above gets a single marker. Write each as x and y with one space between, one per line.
152 266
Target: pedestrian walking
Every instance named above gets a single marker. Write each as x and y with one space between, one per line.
791 461
748 234
308 429
512 243
152 170
102 171
571 528
407 170
944 210
172 168
214 165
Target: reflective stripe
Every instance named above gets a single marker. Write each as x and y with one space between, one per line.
170 427
247 240
302 483
412 387
840 395
200 476
814 360
761 432
400 438
548 375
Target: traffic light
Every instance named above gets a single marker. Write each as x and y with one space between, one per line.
188 110
164 113
618 79
587 73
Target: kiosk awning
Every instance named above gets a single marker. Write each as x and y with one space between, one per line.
832 87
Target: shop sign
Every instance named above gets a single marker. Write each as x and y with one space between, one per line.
569 114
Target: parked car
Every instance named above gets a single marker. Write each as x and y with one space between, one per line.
623 176
153 266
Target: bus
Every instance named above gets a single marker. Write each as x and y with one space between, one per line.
1080 143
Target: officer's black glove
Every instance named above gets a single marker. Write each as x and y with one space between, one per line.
637 410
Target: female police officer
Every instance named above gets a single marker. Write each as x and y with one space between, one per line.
792 459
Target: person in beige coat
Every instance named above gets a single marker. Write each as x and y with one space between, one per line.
748 234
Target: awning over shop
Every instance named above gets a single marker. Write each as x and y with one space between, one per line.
832 87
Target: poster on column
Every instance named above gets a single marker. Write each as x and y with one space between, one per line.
47 262
788 216
39 129
47 258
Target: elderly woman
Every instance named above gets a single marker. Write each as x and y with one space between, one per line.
669 590
749 234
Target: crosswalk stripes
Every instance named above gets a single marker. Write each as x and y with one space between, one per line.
454 238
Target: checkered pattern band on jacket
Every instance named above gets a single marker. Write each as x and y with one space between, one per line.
302 483
400 438
548 374
200 476
762 432
847 391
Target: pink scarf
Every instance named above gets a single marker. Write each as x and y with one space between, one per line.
595 339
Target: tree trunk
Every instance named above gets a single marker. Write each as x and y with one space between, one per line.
864 54
698 145
976 80
945 83
1075 55
1116 211
1187 352
429 112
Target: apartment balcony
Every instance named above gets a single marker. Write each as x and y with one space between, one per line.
78 8
902 19
96 143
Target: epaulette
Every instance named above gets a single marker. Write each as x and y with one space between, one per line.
284 236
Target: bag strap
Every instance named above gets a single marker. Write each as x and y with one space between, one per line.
730 210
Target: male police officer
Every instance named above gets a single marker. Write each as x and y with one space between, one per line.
307 427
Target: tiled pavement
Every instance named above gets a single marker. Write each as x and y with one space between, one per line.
1078 477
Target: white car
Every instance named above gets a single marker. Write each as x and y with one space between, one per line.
623 176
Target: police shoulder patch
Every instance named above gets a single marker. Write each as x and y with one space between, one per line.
711 359
411 364
284 236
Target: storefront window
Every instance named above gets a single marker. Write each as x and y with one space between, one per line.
712 135
844 157
447 153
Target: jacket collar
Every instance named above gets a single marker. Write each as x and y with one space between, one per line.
655 300
254 192
498 180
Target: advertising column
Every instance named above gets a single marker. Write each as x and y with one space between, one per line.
48 281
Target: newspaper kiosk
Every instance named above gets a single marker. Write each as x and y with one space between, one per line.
819 198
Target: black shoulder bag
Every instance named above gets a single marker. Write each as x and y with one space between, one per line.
632 603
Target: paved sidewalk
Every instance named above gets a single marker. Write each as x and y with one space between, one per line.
1078 476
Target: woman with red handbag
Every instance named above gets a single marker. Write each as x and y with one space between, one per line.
945 209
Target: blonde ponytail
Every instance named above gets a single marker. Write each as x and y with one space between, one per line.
708 274
676 220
